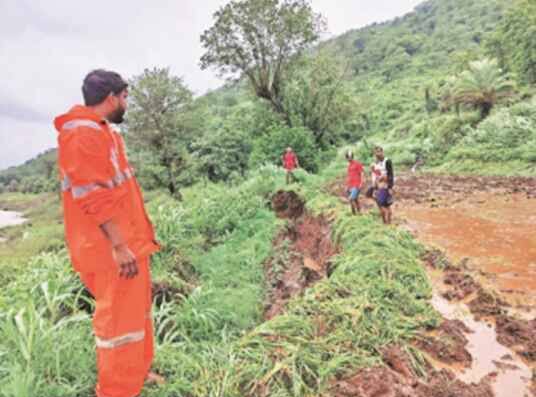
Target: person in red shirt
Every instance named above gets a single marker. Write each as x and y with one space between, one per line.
354 182
290 162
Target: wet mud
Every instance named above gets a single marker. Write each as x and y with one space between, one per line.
447 343
482 263
303 252
508 374
488 222
397 379
287 204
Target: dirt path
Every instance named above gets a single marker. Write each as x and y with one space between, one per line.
487 278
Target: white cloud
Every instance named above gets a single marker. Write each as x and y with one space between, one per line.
48 47
22 140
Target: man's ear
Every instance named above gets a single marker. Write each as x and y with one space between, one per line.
111 100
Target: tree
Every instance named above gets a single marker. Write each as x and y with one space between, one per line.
160 127
258 39
482 86
448 94
223 150
317 97
514 42
223 153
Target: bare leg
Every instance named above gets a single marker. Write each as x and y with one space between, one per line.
384 215
357 205
389 215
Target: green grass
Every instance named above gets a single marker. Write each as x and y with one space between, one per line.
211 338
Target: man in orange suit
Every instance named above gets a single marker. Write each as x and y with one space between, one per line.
109 235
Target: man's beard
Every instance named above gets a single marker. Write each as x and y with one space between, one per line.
116 116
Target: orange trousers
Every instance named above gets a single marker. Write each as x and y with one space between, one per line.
123 329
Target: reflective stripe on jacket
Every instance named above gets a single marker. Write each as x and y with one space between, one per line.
98 185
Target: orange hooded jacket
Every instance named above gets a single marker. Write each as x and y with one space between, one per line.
98 185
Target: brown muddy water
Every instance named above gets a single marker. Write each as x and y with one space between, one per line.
488 226
497 235
510 374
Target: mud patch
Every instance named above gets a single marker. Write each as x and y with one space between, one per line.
164 291
462 285
435 259
398 380
303 256
520 335
448 343
431 188
287 204
303 253
399 362
486 305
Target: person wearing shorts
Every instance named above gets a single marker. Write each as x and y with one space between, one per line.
382 184
354 182
384 199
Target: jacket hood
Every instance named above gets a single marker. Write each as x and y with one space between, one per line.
76 112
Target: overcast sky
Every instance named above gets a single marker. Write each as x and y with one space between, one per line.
47 47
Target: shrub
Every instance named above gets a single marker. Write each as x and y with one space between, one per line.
270 147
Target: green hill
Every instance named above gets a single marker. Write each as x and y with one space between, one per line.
395 91
34 176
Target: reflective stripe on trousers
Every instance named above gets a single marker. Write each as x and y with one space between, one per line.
125 333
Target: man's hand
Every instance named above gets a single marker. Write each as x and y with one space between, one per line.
123 256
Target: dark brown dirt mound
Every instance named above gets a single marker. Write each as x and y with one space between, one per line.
445 384
373 382
518 334
399 380
303 254
486 305
385 382
435 259
462 285
164 292
287 204
399 362
448 343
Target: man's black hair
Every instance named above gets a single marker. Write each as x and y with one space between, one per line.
100 83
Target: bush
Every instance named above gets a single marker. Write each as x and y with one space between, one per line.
270 147
507 135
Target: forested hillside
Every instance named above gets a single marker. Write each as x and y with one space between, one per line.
398 83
